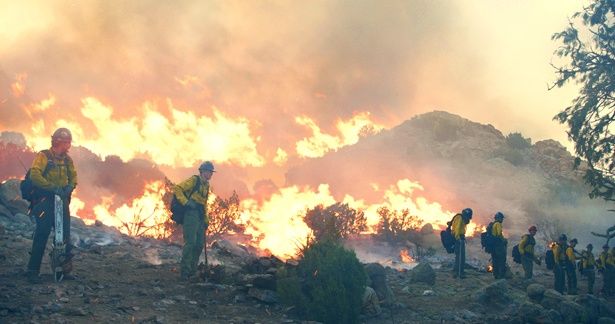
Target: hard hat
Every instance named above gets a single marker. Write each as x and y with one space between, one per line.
467 213
206 166
532 229
499 215
62 134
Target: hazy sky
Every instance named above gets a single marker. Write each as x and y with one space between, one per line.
146 74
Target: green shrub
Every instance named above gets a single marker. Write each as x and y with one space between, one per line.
335 222
327 285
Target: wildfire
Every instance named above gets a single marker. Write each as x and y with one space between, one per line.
405 257
276 223
489 267
145 215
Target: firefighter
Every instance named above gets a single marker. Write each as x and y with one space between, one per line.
458 227
589 267
52 173
559 269
526 249
602 268
193 194
571 271
498 254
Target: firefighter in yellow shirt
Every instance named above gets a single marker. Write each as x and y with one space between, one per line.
589 267
193 194
526 249
559 269
571 269
498 255
458 228
52 173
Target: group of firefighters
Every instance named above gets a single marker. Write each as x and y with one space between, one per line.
54 174
564 258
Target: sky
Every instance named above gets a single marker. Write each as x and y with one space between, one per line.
267 84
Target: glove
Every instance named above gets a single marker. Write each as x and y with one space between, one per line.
192 204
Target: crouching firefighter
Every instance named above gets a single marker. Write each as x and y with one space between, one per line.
53 179
193 193
458 227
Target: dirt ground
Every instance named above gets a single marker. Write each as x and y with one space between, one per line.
127 280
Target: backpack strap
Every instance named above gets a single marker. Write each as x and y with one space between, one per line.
196 187
48 165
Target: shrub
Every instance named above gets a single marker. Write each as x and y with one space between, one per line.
224 216
518 142
327 285
335 222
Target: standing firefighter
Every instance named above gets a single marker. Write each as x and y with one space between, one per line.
559 269
602 268
571 269
498 254
52 174
589 267
526 249
192 193
458 227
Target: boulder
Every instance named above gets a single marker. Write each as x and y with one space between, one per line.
423 273
263 281
552 299
497 293
264 295
5 212
595 307
530 311
572 312
535 292
377 280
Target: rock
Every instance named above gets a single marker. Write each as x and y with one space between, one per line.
5 212
535 292
428 293
552 299
468 315
495 293
263 281
377 280
530 311
9 191
594 307
266 296
606 320
74 311
18 206
423 273
572 312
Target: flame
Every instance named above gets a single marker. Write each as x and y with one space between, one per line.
350 132
179 140
275 223
489 267
405 257
145 215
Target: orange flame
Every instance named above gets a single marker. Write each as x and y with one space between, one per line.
405 257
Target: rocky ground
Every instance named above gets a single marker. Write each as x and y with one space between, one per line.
124 279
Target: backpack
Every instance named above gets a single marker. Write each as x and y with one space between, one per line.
177 209
487 239
29 191
447 238
516 254
550 259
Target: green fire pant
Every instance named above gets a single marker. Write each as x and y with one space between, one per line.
194 236
527 261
